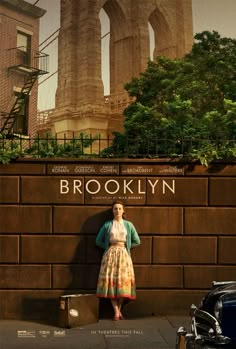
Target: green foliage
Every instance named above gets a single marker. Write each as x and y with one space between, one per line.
49 146
184 107
9 150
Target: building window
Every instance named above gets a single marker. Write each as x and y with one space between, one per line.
24 48
21 123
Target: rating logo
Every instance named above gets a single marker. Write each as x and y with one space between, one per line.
44 333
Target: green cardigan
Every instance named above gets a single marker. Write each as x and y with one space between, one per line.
103 236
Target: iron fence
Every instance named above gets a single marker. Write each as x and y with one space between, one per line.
96 146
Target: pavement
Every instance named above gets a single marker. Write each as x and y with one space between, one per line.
156 332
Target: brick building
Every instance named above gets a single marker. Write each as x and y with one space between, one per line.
20 65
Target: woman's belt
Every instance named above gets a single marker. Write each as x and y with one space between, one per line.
121 244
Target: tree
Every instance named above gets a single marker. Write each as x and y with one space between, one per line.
191 99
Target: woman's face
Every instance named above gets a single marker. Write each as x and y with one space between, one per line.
118 211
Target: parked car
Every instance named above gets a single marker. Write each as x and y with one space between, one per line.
213 323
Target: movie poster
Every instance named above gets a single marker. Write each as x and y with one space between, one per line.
51 209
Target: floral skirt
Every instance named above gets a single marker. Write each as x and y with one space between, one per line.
116 278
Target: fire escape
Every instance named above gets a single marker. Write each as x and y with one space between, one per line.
30 65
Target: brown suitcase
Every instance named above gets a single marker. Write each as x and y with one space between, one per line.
78 309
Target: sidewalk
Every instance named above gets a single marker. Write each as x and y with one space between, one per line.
137 333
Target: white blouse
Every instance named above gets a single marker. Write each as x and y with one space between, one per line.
118 232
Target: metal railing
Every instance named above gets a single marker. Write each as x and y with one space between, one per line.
43 117
118 101
34 59
95 146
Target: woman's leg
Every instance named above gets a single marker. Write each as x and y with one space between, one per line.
120 303
114 303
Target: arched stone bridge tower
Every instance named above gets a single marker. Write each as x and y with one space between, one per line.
80 102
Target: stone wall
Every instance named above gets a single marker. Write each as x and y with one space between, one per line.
51 211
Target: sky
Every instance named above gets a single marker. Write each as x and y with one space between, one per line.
216 15
209 15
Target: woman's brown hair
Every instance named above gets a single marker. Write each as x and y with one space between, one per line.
118 202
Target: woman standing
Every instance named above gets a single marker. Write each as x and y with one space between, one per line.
116 278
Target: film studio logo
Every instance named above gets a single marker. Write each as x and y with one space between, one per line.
41 333
59 333
26 334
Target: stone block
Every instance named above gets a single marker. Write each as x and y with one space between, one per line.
89 219
143 252
227 248
49 190
156 220
30 305
75 276
177 191
158 276
9 189
163 302
222 191
23 169
202 277
93 252
82 169
25 276
52 249
80 219
214 169
43 304
104 190
185 250
9 249
210 220
25 219
145 169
